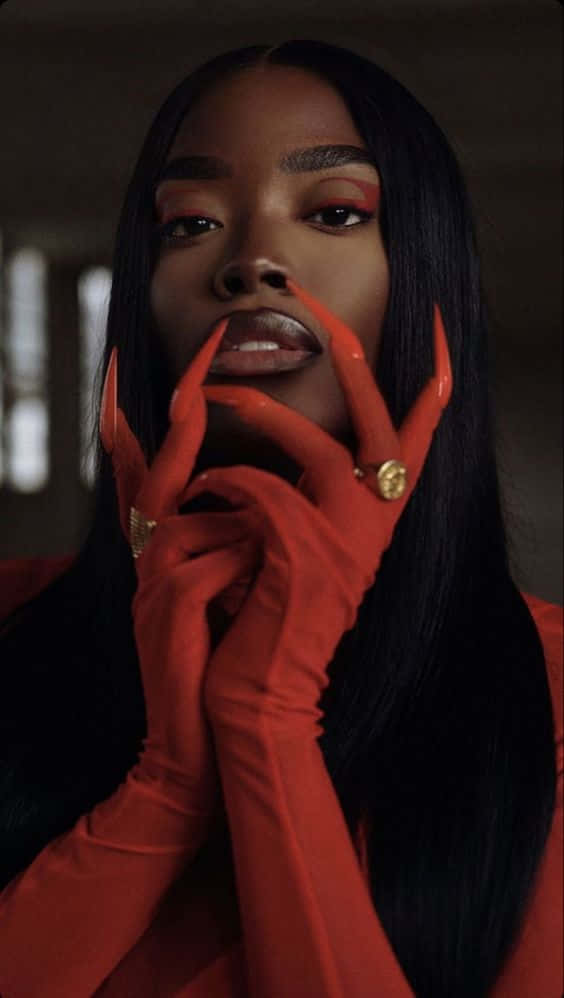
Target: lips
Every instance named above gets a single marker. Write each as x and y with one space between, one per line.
266 324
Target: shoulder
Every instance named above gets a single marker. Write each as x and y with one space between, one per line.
23 578
549 620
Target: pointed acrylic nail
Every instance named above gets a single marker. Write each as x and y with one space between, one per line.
183 396
108 408
443 368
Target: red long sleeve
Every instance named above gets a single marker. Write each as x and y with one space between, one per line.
70 917
88 896
179 919
309 925
310 929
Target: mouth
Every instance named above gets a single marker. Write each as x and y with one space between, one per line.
264 341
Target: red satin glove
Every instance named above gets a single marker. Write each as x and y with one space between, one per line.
91 893
310 929
322 541
183 563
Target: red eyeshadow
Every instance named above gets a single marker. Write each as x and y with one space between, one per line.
170 207
371 192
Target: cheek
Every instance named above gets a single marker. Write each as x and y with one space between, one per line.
166 292
169 296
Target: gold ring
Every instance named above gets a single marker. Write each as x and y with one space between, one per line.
140 529
391 475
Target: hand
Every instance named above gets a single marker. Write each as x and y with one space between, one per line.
186 561
322 541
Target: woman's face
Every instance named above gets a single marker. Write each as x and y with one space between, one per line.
256 225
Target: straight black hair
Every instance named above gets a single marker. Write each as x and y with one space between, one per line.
438 722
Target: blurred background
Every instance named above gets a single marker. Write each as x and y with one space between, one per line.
79 86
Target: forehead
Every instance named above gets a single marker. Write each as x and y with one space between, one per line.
260 111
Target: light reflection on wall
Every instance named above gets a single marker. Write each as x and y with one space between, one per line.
26 430
93 297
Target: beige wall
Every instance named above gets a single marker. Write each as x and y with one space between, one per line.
79 85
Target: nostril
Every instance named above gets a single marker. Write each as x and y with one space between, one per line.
276 280
233 284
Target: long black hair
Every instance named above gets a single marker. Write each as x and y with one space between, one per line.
438 724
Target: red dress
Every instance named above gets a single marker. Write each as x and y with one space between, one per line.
185 940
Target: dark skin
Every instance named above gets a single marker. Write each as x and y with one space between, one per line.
261 224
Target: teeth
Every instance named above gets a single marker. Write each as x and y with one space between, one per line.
258 345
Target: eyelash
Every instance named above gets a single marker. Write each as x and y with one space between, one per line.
164 232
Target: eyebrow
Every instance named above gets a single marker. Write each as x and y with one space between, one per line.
297 161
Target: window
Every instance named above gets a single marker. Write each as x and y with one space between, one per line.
24 368
24 414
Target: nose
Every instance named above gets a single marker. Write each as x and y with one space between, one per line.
249 276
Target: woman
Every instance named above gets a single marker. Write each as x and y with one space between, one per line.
175 818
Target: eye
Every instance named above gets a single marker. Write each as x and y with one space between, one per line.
339 212
184 227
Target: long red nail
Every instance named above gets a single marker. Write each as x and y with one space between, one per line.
108 408
443 369
183 395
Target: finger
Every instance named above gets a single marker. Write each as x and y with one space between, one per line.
227 568
177 455
177 539
377 438
242 485
204 580
118 440
233 597
418 427
443 369
129 468
191 380
108 407
264 499
329 464
173 463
